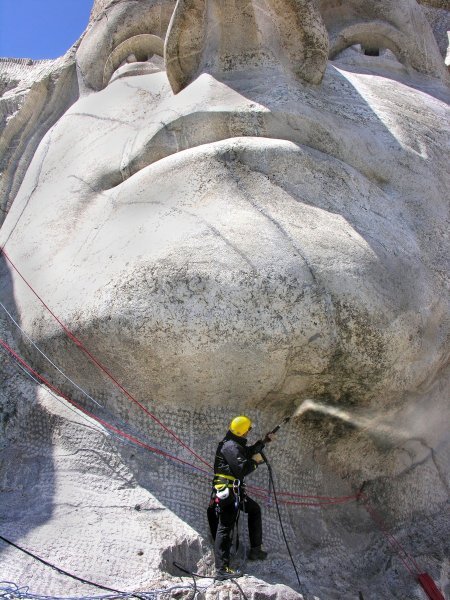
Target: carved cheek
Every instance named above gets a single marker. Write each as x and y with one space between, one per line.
220 36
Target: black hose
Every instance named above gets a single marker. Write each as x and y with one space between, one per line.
62 572
239 588
269 467
195 586
192 574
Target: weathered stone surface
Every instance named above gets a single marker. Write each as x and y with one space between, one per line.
33 96
439 19
257 239
220 36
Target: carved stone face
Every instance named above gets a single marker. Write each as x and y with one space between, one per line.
253 222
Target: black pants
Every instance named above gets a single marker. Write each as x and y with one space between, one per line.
227 520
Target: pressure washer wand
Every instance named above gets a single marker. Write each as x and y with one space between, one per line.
275 429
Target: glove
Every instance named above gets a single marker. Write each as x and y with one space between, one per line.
258 446
258 458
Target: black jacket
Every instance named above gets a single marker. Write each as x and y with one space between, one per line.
234 457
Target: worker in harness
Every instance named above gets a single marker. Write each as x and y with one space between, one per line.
233 461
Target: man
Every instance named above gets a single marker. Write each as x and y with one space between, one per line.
233 461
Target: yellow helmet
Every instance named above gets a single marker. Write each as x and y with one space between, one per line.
240 425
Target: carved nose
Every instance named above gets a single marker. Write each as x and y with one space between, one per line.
221 36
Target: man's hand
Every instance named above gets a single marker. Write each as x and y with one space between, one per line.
269 437
258 458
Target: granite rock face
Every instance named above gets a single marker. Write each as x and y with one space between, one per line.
237 208
33 96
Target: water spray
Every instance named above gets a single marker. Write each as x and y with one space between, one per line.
365 423
368 422
305 406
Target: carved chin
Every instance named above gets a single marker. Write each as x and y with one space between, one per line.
241 286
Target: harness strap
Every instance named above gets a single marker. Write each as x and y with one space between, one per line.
221 481
225 476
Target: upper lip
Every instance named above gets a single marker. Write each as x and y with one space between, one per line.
185 131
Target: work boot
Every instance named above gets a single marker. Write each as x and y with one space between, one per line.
227 573
257 553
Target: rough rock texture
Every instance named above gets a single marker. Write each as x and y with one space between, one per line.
439 19
231 230
221 36
33 96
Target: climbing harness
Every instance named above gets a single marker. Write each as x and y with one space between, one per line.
226 489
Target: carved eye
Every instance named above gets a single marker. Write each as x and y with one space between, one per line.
356 51
145 51
370 39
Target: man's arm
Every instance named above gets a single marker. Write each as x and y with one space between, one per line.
238 459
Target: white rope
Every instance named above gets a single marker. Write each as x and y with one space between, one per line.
95 426
48 359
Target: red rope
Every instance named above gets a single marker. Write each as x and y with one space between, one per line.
414 570
330 502
82 347
94 417
326 499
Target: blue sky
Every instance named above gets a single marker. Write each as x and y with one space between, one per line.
41 28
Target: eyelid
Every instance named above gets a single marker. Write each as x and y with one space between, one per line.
375 33
423 57
141 45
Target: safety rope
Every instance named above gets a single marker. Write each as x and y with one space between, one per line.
94 360
94 417
99 430
257 491
409 562
25 334
62 373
